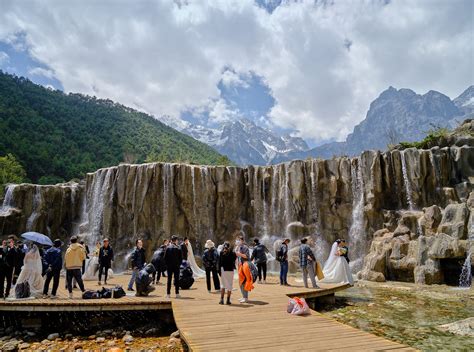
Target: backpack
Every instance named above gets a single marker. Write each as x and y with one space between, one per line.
279 254
253 271
186 279
118 292
105 293
90 294
22 290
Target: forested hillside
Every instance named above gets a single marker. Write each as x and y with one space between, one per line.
57 137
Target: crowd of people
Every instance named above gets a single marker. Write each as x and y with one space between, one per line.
32 270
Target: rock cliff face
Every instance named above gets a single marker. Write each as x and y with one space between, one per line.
325 199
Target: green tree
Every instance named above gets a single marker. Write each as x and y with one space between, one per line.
11 171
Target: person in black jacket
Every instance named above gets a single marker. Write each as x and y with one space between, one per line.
226 265
184 248
7 264
54 262
138 262
210 260
86 247
259 257
158 261
173 258
282 257
19 257
106 257
143 281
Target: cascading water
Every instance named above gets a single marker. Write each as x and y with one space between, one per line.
30 223
407 182
357 237
8 200
465 279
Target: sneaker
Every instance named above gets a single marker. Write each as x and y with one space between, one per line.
167 296
54 297
221 301
178 295
228 302
259 281
45 296
316 286
209 291
243 300
130 289
264 281
105 282
70 296
99 283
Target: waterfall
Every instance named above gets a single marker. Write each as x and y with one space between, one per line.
37 200
434 165
465 279
8 200
406 181
357 238
100 186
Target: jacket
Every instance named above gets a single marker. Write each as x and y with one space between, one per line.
75 254
143 279
138 258
52 258
259 253
282 254
106 256
245 276
306 256
227 261
173 256
210 258
158 259
184 251
5 258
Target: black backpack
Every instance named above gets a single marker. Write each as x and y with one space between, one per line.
22 290
90 294
118 292
279 254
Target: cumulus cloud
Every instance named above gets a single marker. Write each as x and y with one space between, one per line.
4 58
324 61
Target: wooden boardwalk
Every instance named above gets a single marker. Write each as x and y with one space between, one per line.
261 324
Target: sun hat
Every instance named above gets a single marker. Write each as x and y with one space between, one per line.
209 244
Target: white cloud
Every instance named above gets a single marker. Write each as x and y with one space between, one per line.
4 58
39 71
167 58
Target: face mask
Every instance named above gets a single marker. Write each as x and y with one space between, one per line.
238 242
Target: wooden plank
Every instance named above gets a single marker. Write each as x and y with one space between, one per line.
207 326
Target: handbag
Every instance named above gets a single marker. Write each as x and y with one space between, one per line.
319 270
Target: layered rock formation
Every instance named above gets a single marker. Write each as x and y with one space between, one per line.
325 199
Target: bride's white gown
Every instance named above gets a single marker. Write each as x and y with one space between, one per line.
31 272
197 271
336 269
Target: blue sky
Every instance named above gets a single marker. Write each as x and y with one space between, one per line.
285 64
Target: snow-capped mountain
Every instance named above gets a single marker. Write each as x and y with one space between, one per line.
465 102
242 141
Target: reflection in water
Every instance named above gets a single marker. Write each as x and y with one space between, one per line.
407 313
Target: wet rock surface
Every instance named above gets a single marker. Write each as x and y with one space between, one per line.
410 313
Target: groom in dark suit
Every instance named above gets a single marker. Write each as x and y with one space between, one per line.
341 243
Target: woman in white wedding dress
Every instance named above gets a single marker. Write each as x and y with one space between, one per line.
336 269
197 271
31 272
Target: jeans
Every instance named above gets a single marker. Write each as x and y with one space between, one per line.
8 275
309 270
262 267
53 274
283 272
215 279
132 279
76 275
245 294
102 267
172 272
